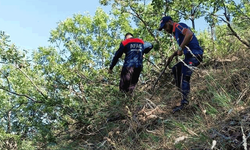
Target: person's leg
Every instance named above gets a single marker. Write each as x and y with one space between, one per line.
135 76
185 85
125 79
118 111
176 70
187 71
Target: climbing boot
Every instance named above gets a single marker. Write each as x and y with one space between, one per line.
179 108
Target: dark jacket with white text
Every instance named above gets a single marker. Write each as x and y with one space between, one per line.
134 48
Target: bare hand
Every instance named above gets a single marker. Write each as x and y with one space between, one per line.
179 53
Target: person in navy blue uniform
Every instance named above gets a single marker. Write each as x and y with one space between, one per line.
189 46
134 48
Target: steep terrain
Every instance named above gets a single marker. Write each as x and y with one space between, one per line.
216 118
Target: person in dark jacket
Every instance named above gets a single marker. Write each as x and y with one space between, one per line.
134 48
189 46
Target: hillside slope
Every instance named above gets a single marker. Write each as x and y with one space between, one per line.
217 116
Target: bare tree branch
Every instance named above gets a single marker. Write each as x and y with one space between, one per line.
23 95
32 82
227 21
144 22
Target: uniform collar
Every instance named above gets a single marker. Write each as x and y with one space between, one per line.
174 26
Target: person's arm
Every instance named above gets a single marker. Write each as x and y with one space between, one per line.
188 34
147 47
118 54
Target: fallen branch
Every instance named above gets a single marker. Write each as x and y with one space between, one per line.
244 139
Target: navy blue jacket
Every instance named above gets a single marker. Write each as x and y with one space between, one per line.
193 45
134 48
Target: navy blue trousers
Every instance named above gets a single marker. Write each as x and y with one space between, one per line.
129 78
182 74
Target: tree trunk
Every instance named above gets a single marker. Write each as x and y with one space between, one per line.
212 36
193 25
9 122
